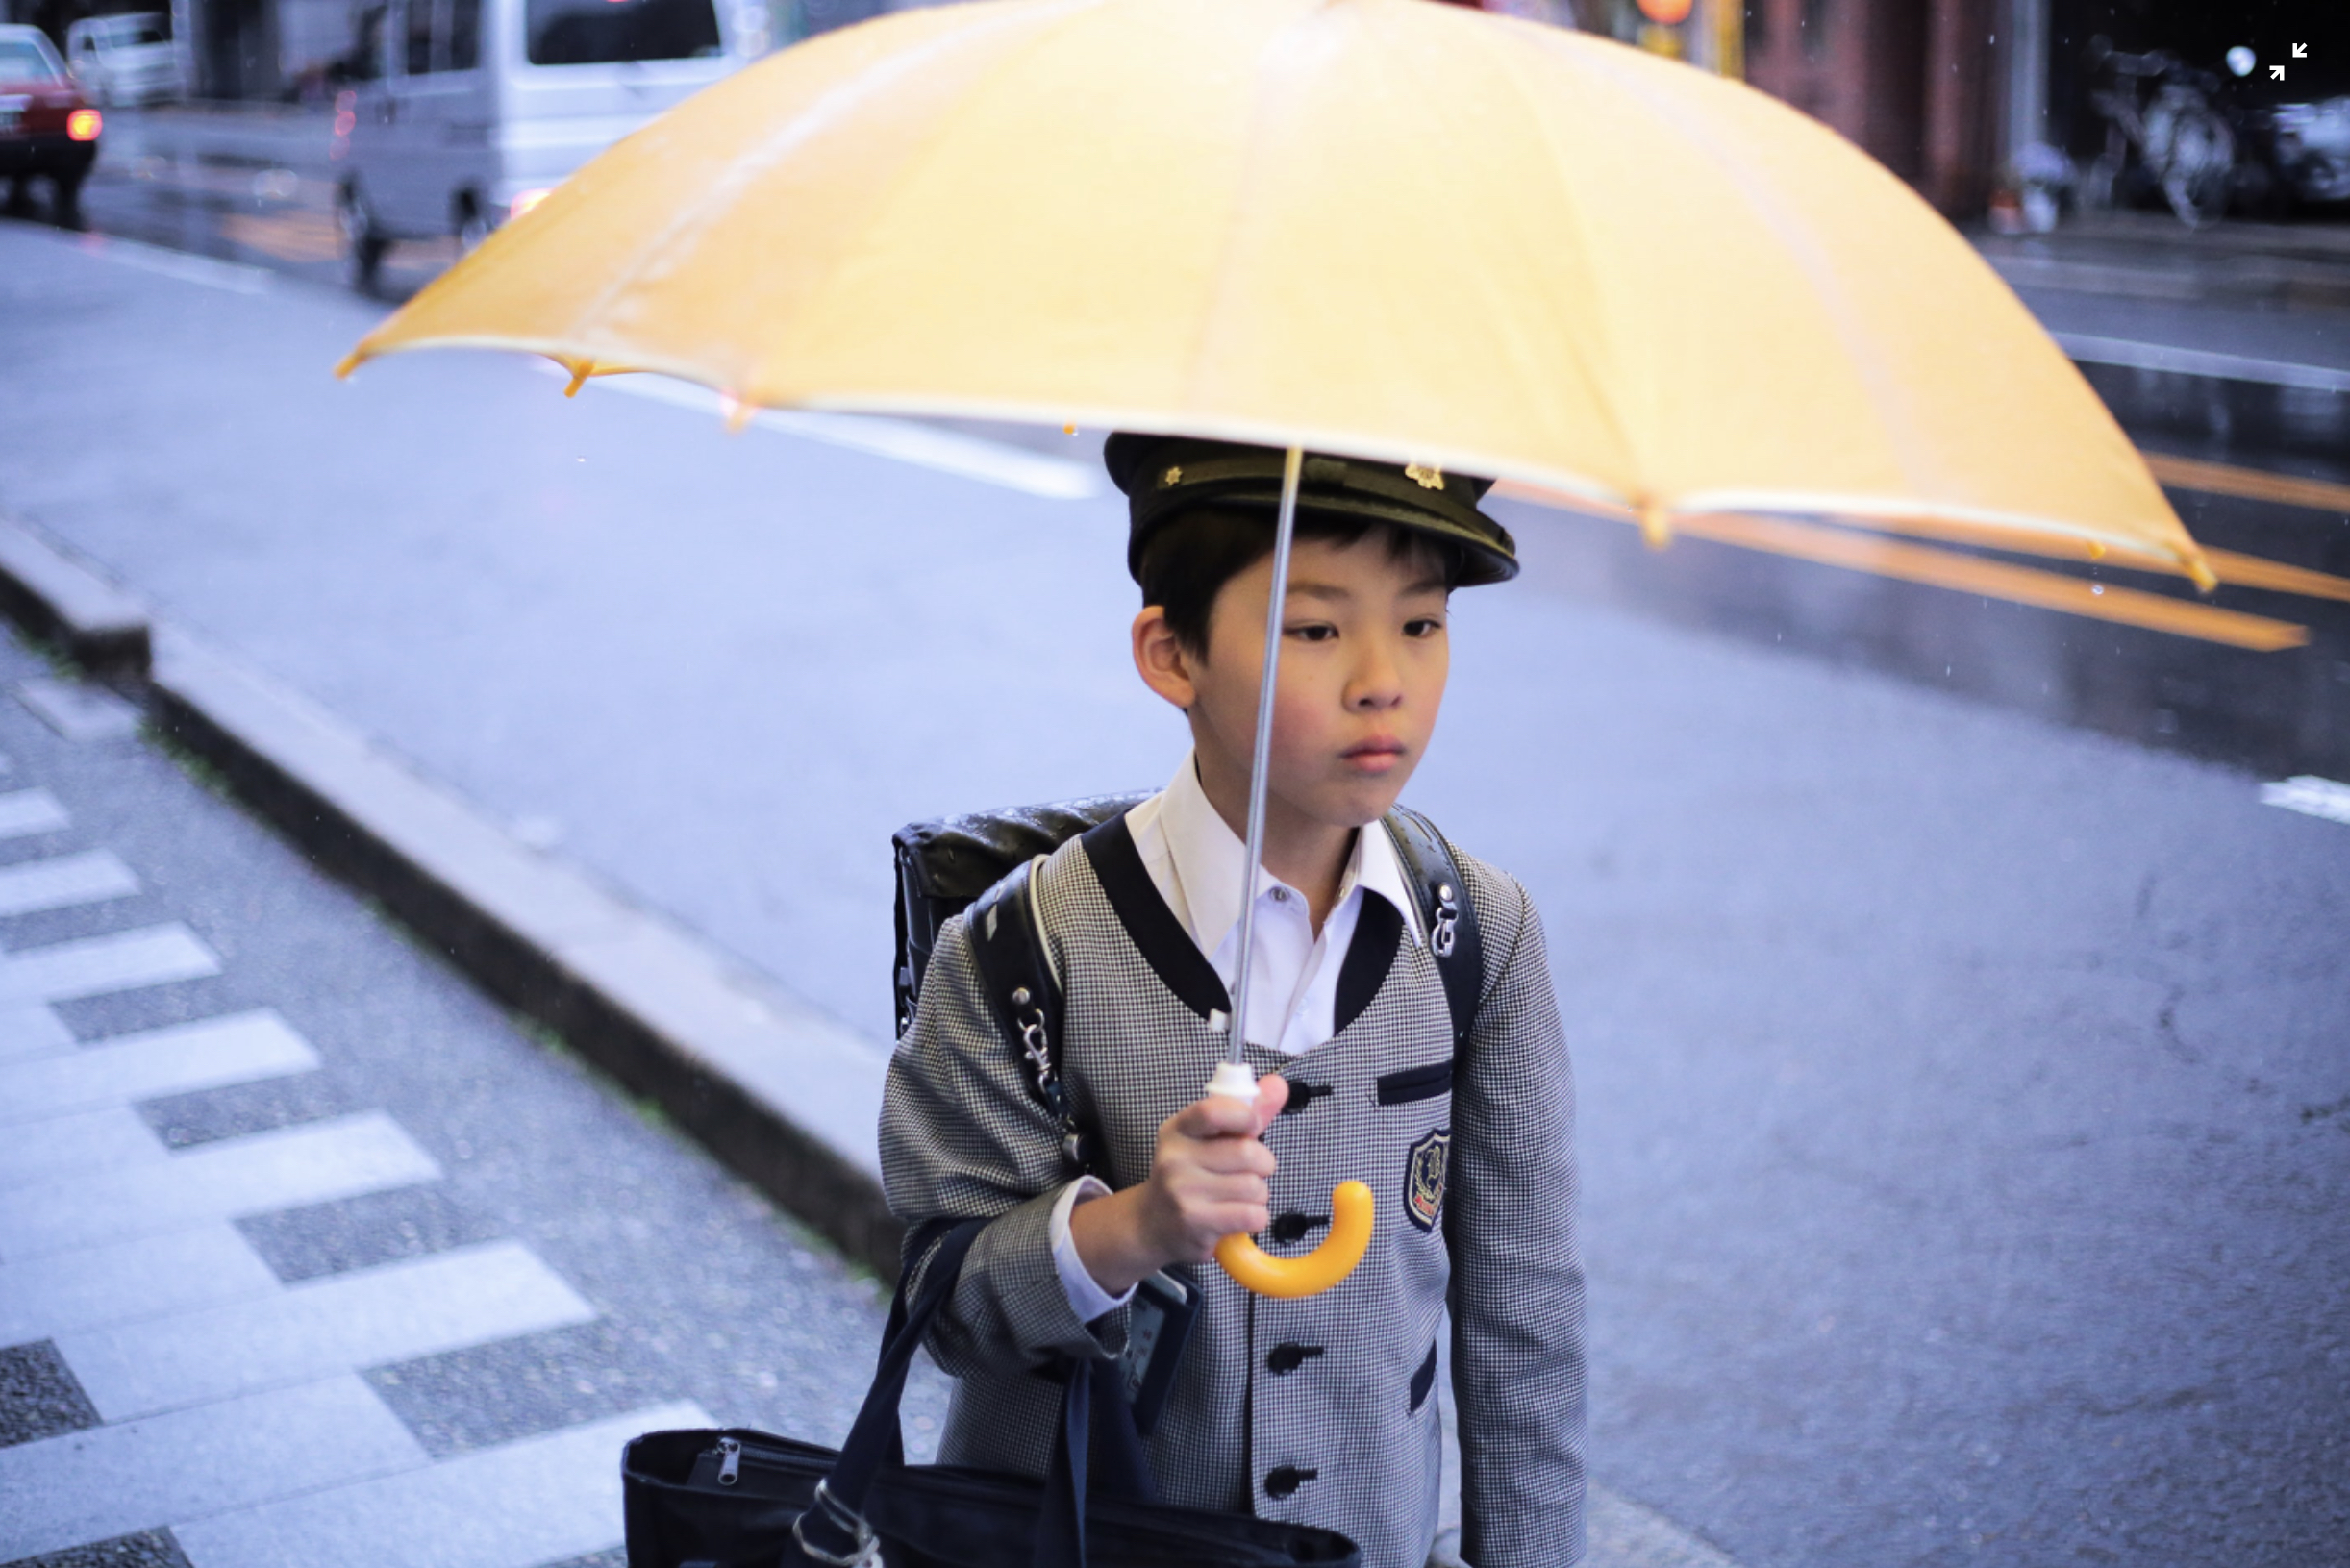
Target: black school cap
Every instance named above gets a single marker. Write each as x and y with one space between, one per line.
1165 475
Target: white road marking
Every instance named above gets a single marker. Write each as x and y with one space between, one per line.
86 1486
313 1163
31 1032
97 966
211 1054
925 447
88 1140
64 883
370 1317
27 811
236 277
150 1276
538 1499
2132 355
2311 796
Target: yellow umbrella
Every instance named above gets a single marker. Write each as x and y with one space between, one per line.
1382 227
1385 228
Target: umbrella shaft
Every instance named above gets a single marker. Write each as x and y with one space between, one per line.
1261 753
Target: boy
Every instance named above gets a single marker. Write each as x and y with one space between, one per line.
1315 1410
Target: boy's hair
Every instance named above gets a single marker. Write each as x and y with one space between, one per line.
1185 561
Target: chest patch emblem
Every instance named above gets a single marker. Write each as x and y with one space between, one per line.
1424 1177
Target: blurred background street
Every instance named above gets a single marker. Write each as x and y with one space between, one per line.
1951 942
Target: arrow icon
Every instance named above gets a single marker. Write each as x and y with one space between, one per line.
2277 72
2300 50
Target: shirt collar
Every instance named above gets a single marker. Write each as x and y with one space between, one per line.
1208 858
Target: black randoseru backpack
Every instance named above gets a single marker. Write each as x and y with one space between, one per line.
944 867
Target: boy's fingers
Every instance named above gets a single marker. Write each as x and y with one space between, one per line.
1272 1093
1228 1156
1215 1116
1203 1191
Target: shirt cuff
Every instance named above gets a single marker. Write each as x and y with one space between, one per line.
1086 1299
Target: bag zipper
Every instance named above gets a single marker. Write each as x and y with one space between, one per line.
729 1461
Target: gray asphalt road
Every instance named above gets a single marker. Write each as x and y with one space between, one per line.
340 1245
1964 1094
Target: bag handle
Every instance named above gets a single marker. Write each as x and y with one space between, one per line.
833 1532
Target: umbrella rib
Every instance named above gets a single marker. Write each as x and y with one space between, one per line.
1602 396
1818 270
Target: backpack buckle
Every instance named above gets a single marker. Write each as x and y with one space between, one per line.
1446 929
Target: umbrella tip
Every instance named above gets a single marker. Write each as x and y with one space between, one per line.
1656 526
347 363
738 412
580 373
2206 581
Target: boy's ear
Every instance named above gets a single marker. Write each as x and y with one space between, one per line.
1164 663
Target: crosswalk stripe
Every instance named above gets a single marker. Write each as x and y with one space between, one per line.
521 1504
24 812
150 1276
31 1032
88 1140
92 1485
64 883
421 1306
96 965
210 1054
313 1163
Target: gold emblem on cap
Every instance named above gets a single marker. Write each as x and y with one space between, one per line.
1430 476
1172 476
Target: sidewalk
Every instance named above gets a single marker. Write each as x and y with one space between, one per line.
2265 303
252 136
308 1256
2152 256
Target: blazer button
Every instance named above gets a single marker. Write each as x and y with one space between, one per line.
1302 1095
1287 1359
1286 1479
1288 1227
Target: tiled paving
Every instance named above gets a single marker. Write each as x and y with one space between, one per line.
160 1377
167 1395
309 1256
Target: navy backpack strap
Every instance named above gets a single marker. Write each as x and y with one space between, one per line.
1447 916
1023 991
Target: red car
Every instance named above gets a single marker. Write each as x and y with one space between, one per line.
45 127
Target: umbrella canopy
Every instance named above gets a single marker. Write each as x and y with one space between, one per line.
1378 227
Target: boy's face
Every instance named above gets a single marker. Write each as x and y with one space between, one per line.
1362 665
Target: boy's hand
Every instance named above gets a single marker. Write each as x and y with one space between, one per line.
1208 1181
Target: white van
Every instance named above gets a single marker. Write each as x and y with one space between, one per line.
463 113
125 60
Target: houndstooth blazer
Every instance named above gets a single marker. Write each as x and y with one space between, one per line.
1316 1411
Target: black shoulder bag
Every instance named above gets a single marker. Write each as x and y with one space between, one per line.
740 1499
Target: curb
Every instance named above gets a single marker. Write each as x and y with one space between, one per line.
58 601
774 1089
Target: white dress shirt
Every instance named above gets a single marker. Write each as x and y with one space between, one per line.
1195 860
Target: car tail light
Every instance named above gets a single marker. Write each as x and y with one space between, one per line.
524 203
82 125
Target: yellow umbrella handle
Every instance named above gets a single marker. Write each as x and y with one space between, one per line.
1351 1208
